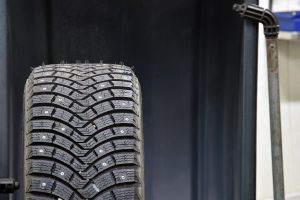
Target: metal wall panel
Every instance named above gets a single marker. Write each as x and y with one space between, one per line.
196 64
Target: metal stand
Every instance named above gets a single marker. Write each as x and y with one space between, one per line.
271 28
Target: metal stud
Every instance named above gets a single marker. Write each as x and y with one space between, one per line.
41 150
104 164
102 85
43 184
63 128
101 151
100 97
123 104
123 177
44 88
46 112
44 137
95 187
42 80
60 99
122 131
126 119
62 173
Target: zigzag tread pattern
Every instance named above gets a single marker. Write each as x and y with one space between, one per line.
83 133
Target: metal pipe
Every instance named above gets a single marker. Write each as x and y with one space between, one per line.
275 119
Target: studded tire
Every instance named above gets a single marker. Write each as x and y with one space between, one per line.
83 133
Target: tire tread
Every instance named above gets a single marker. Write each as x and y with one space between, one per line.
83 133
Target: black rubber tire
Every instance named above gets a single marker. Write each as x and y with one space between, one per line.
83 133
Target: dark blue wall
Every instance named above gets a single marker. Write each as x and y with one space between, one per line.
196 62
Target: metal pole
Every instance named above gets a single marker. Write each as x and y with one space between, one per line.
271 29
275 119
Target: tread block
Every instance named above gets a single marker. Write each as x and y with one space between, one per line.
126 193
40 184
